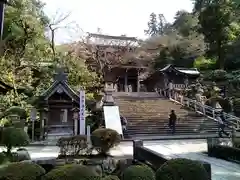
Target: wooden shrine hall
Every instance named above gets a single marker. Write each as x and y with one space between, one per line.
179 77
59 109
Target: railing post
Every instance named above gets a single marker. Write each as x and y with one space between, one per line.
204 110
195 105
181 100
136 143
213 113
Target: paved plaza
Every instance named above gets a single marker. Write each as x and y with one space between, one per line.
221 170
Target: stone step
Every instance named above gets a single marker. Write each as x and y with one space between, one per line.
166 131
166 124
160 121
166 134
166 127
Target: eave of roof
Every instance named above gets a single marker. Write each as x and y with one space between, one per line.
189 71
53 87
112 37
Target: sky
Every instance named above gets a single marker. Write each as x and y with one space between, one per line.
113 17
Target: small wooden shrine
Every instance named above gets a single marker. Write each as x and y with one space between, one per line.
59 112
178 76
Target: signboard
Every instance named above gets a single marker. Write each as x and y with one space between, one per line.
82 113
112 118
33 114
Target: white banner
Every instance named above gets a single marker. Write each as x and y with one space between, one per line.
112 118
82 113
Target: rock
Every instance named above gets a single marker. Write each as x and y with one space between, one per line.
109 165
21 155
99 170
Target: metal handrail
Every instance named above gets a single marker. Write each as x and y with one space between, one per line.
200 108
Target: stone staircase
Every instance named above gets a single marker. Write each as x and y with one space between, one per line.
147 114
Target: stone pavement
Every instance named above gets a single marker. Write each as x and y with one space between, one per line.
191 149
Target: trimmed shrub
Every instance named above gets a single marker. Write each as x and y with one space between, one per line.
179 169
236 106
21 170
104 139
110 177
14 137
137 172
3 158
72 145
72 172
236 142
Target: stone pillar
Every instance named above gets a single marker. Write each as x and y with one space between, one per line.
126 82
138 81
75 119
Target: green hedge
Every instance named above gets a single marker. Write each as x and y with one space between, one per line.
21 171
179 169
110 177
72 172
225 152
14 137
138 172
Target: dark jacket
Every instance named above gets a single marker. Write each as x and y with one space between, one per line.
172 118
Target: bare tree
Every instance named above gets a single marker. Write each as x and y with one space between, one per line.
58 22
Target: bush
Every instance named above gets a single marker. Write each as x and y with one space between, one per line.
225 152
178 169
137 172
236 142
72 172
14 137
110 177
72 145
21 171
236 106
3 158
105 139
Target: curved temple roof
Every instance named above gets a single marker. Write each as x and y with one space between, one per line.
187 71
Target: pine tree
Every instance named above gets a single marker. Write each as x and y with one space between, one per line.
152 25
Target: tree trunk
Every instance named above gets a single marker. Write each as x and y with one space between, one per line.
221 58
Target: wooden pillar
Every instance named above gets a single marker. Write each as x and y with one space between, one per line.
43 122
41 125
75 117
126 81
138 81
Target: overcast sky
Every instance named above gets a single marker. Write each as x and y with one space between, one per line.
113 17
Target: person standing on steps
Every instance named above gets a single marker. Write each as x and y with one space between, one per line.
172 121
221 124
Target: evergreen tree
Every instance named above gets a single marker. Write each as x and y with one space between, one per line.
161 24
152 25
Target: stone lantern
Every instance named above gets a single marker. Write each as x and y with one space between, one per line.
16 121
